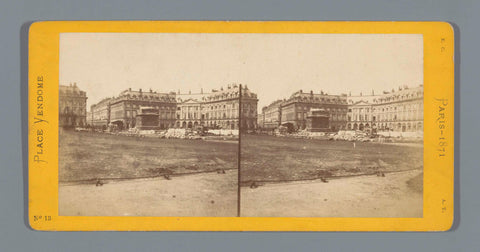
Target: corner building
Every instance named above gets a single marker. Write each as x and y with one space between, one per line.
72 106
397 110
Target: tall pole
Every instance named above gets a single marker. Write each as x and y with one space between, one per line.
239 147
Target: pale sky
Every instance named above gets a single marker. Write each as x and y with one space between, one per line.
271 65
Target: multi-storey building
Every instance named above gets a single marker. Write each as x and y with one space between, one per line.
100 113
221 108
400 110
294 110
125 107
260 121
249 109
189 113
218 109
271 115
72 106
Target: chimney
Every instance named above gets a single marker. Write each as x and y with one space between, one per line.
129 89
189 91
373 92
151 91
140 90
311 92
301 91
360 93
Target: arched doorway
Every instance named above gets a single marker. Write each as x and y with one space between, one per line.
189 125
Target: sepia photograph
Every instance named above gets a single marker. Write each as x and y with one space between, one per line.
148 127
241 124
339 128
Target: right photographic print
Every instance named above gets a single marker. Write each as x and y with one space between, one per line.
339 129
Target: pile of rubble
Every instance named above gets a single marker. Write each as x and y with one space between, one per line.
381 137
310 135
176 133
223 132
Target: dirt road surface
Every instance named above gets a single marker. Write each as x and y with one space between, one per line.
205 194
395 195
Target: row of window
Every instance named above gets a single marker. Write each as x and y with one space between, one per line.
388 117
401 97
334 117
323 100
389 108
306 108
137 106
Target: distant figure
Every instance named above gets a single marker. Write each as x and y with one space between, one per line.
99 183
221 171
167 177
380 174
253 185
324 180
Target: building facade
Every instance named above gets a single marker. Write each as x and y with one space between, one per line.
125 107
249 109
221 108
122 110
294 110
190 113
397 110
272 115
218 109
72 106
100 113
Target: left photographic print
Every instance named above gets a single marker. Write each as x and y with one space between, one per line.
145 127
